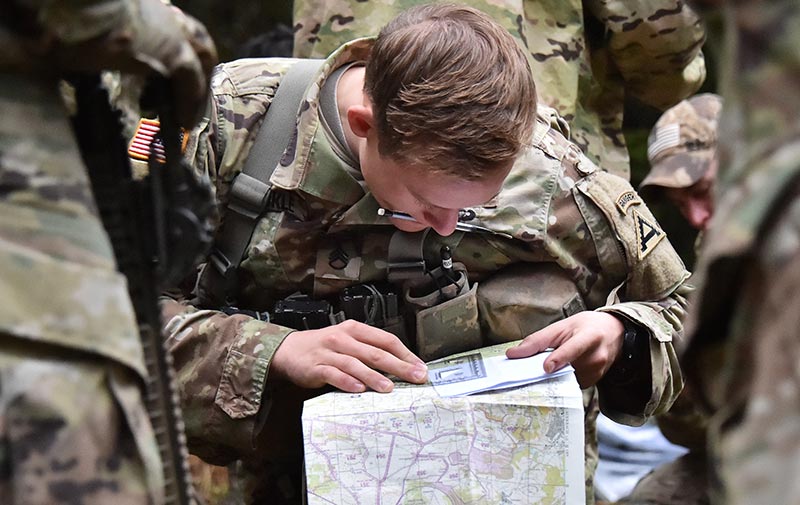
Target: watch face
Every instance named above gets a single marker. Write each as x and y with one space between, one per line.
630 332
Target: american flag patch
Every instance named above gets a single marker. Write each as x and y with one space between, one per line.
665 137
145 139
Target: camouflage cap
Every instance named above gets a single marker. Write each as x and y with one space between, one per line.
682 143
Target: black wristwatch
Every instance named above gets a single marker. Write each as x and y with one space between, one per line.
629 361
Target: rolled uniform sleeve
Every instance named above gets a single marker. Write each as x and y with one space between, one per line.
662 321
222 363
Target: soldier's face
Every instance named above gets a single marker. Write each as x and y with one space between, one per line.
432 199
696 202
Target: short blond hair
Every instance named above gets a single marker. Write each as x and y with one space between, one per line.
451 91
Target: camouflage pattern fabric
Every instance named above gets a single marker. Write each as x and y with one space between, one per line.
586 56
685 423
742 347
562 212
73 426
683 142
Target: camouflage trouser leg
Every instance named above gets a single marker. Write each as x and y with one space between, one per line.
67 424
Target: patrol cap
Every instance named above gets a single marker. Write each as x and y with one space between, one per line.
682 143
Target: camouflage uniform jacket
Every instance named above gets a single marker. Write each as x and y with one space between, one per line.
742 343
586 56
560 210
64 303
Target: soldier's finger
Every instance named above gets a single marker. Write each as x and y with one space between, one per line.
569 351
358 371
372 356
550 336
381 339
379 359
200 40
340 380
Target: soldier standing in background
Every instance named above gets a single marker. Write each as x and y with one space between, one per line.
73 425
586 55
742 350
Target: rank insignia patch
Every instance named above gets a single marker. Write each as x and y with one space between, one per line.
627 199
648 234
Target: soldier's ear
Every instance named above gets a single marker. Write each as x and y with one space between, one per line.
360 119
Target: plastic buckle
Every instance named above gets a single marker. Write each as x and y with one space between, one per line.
404 270
225 268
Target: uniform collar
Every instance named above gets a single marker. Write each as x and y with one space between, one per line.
310 147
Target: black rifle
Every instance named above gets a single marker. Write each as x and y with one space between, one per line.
158 226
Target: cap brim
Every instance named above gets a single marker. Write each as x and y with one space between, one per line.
680 170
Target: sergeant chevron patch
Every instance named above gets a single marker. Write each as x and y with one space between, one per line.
648 234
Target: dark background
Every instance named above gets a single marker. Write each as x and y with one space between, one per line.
234 22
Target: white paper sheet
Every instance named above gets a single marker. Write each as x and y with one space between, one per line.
471 373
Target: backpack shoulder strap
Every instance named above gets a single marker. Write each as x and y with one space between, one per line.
250 190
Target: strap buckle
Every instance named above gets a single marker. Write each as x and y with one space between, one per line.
248 196
406 258
225 270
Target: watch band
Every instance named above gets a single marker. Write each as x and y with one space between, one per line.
627 364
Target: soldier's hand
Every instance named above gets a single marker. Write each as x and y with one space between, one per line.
346 356
589 341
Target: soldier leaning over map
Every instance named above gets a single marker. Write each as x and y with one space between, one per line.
553 239
586 55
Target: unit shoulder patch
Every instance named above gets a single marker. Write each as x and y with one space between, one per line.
648 234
